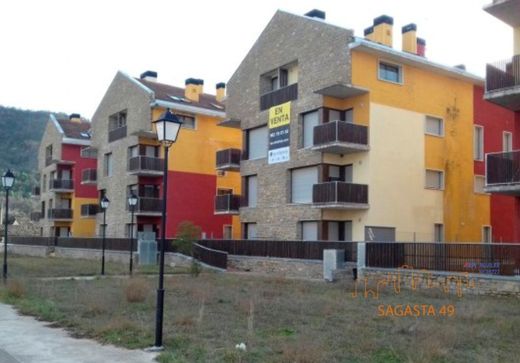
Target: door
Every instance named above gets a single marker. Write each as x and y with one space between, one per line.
228 232
66 174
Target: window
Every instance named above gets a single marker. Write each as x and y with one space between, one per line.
338 173
480 182
507 141
486 234
302 181
434 126
107 164
309 231
434 179
44 183
250 230
257 143
188 122
224 191
438 232
339 231
309 120
117 120
274 83
478 143
390 72
227 232
251 190
48 152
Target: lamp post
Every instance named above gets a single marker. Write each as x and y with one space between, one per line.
104 205
7 183
167 128
132 202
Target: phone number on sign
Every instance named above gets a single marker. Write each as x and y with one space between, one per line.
415 310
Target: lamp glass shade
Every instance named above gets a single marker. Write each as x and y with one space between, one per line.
105 202
132 200
167 127
8 179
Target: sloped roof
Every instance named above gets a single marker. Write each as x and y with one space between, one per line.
174 94
74 129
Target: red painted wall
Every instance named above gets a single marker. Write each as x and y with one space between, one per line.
505 210
72 153
191 197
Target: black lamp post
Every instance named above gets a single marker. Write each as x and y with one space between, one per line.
104 205
132 202
7 183
167 128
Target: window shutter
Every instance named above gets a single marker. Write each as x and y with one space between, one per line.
310 120
301 182
310 231
251 191
257 143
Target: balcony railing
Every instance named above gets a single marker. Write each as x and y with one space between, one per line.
146 205
36 216
117 134
503 172
59 213
228 159
145 165
340 137
89 176
36 191
340 195
89 153
61 184
48 160
227 204
503 74
279 96
89 210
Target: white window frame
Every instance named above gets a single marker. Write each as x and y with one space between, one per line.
479 157
490 233
195 123
475 184
426 126
504 146
399 66
443 181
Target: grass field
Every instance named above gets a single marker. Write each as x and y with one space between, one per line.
279 320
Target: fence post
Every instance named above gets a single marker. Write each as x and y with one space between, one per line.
361 257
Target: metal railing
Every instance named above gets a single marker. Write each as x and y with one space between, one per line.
36 216
210 256
503 168
336 192
59 213
228 157
340 131
147 205
145 163
88 153
66 184
117 134
503 74
89 176
227 203
89 210
279 96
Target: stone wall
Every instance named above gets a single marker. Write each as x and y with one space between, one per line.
458 284
277 267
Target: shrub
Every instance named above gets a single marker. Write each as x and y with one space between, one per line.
187 234
137 290
15 289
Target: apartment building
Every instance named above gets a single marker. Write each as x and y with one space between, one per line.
67 168
131 160
498 130
348 138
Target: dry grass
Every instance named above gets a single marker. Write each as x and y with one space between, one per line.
15 289
137 290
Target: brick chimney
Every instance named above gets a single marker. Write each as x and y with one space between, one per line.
409 38
193 89
383 30
421 47
75 117
149 76
221 91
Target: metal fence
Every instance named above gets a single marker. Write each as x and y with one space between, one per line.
210 256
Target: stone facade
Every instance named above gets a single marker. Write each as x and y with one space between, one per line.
322 56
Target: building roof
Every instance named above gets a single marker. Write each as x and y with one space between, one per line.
74 129
165 92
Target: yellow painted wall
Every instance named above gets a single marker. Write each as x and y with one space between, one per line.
427 93
82 227
360 104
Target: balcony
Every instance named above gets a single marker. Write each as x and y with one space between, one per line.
503 173
89 210
340 137
36 216
227 204
148 207
340 195
60 214
117 134
228 159
35 191
507 11
89 177
503 83
88 153
61 185
279 96
145 166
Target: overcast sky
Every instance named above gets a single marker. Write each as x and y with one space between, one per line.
62 55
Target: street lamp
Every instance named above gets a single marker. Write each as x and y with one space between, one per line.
167 128
132 202
104 205
7 183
